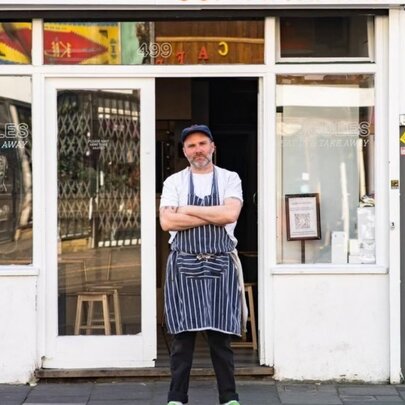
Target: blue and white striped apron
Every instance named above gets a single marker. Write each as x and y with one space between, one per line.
201 289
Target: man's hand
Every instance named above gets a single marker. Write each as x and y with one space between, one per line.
171 219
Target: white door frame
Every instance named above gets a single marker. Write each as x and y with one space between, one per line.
396 108
101 351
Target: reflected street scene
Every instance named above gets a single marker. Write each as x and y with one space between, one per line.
99 226
15 171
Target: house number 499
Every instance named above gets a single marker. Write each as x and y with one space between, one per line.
155 50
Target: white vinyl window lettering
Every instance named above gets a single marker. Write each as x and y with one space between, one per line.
325 190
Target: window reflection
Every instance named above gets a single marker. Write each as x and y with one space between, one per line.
15 171
163 42
333 37
82 43
99 212
325 132
15 42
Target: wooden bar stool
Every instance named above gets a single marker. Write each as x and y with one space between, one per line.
102 292
113 296
90 298
251 320
103 297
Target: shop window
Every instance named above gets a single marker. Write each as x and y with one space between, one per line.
326 37
15 171
164 42
325 171
15 42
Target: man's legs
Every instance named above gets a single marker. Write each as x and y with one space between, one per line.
181 360
222 360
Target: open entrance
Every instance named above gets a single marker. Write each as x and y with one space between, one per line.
229 107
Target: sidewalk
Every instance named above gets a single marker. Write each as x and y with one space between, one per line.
202 392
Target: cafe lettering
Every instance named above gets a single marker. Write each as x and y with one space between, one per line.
207 42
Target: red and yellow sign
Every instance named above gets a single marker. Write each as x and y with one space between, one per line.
81 43
86 43
15 43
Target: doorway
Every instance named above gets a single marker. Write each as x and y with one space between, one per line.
229 106
99 308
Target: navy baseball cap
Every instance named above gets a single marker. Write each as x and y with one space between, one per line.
195 128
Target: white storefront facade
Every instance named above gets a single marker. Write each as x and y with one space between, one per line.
307 108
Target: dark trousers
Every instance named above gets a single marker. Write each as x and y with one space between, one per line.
181 359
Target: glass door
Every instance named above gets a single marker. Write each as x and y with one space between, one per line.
100 165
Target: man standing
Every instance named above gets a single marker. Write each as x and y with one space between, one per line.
200 206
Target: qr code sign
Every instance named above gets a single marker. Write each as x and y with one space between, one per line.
302 221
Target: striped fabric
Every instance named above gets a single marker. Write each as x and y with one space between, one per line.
201 290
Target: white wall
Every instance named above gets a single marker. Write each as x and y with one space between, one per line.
331 327
18 318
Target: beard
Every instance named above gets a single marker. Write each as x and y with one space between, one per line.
201 161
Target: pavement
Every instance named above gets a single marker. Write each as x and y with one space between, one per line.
202 392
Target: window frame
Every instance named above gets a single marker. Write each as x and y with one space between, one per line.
284 249
380 71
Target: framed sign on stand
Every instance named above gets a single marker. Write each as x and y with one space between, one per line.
303 218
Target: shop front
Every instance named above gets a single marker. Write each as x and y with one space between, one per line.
91 112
